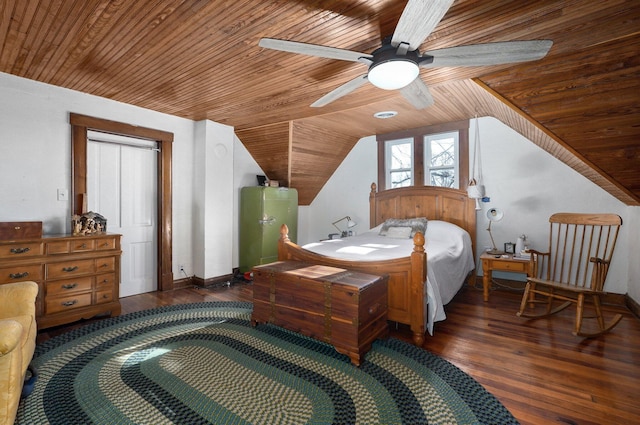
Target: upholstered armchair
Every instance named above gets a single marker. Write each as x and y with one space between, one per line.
17 343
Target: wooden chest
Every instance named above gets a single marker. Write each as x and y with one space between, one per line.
19 230
344 308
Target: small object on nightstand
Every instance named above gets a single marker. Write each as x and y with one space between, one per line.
509 248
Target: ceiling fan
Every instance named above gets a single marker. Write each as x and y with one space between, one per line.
396 64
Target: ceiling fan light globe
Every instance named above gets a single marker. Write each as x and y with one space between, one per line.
393 74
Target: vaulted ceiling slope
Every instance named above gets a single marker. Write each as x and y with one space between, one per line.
200 59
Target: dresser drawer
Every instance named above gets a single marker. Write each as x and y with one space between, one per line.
105 296
69 268
82 245
19 250
105 243
106 281
58 304
20 273
105 264
511 266
69 286
58 247
70 246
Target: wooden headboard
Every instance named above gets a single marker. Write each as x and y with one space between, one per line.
434 203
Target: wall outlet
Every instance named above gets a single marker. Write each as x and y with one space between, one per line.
181 267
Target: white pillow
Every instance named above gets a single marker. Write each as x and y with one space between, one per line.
443 230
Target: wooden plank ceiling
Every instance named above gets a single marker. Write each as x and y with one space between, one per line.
200 59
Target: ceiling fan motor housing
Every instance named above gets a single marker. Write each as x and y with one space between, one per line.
392 70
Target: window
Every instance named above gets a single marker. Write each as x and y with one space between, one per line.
399 162
440 164
436 155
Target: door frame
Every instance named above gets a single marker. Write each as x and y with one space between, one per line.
80 124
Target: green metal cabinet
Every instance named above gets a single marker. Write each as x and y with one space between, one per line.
262 211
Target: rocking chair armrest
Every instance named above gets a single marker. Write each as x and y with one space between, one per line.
536 260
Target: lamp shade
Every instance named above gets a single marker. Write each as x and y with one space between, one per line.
494 214
393 74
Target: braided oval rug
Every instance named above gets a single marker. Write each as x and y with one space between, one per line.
204 363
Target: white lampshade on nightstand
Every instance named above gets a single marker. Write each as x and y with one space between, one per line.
494 214
350 224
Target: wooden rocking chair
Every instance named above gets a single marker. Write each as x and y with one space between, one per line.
574 268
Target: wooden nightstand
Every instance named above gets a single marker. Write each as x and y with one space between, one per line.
505 264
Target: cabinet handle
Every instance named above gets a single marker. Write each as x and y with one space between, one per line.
84 245
70 303
19 250
70 269
104 265
69 286
18 275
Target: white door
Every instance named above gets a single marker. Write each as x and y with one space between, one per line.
122 187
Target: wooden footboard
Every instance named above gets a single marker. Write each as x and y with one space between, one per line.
407 277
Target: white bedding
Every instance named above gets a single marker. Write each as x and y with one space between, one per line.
449 259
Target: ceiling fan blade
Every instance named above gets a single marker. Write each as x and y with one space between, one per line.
343 90
418 94
312 50
418 20
489 53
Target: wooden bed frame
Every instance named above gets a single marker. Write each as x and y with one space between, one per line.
406 275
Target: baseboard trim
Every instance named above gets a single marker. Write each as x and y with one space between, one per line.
183 283
225 279
632 305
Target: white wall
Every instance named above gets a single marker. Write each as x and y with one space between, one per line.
35 155
213 199
245 170
346 193
633 223
521 179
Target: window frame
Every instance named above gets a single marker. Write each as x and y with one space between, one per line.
418 134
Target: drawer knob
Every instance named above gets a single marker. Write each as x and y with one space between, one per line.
19 250
18 275
84 245
70 303
374 308
69 286
70 269
104 265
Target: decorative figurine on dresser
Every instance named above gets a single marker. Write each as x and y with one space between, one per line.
78 275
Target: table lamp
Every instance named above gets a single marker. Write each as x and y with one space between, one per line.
494 214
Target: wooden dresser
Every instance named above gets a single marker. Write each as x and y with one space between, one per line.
78 276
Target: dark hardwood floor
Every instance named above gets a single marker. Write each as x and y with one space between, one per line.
537 369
